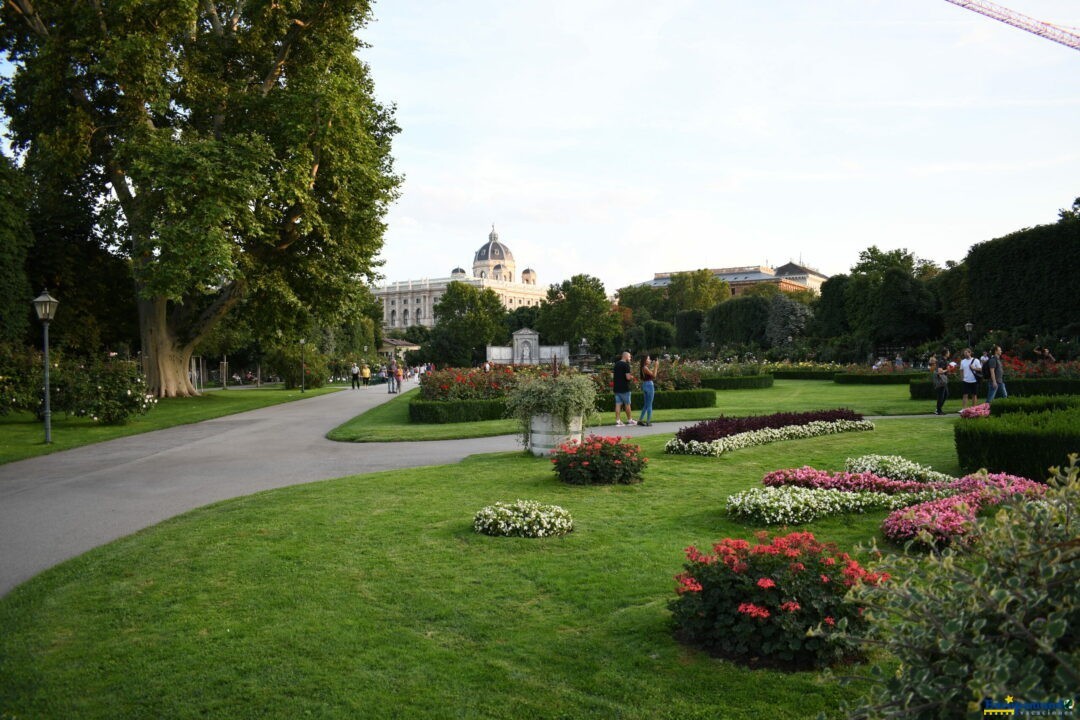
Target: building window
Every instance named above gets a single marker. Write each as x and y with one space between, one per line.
419 314
393 318
392 302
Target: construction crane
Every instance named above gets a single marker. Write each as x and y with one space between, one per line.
1011 17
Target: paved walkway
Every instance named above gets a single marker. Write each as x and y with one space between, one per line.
58 506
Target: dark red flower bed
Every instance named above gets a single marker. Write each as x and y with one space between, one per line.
709 430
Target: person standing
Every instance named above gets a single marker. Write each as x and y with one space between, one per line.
399 375
649 369
391 378
995 375
620 385
969 366
355 373
365 374
940 378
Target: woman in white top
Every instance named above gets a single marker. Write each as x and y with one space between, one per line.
968 367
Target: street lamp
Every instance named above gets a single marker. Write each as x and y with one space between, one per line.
969 327
45 307
303 364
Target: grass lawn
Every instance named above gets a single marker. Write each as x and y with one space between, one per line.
23 436
371 596
390 422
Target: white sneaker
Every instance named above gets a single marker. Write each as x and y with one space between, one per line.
632 422
618 423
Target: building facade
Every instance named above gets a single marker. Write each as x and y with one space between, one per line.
412 302
788 278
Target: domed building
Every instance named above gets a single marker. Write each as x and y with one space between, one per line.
412 302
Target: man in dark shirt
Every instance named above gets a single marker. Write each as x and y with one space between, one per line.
620 385
995 378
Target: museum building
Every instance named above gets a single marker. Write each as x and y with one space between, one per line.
412 302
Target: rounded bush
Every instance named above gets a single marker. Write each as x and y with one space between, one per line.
599 460
523 518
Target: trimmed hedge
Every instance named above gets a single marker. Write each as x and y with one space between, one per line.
803 374
1025 444
455 411
740 382
1035 403
923 390
882 379
663 400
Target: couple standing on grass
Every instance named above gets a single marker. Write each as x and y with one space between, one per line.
622 376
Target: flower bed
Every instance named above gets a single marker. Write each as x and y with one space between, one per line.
523 518
599 460
895 467
952 519
716 448
794 505
976 411
809 477
779 602
470 383
709 430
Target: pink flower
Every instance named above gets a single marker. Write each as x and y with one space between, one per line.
766 583
754 611
790 606
829 621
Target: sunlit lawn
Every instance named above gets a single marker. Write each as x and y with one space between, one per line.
390 422
371 597
23 436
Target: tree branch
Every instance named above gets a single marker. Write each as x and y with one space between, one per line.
297 29
215 19
26 9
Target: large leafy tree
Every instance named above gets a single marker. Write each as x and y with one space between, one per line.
739 320
15 240
466 321
579 308
697 290
234 148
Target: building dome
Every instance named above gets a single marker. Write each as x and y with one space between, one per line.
493 259
493 250
458 272
528 276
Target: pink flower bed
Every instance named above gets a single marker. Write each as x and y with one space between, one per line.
976 411
809 477
952 518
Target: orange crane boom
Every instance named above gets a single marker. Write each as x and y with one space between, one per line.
1011 17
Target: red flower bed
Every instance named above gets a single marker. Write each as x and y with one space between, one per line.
709 430
774 603
599 460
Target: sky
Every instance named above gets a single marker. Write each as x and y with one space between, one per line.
623 138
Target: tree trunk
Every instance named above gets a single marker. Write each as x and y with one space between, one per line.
165 359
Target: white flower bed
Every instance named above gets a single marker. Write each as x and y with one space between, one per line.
716 448
896 467
523 518
792 505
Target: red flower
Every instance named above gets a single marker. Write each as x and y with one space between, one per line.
829 621
766 583
791 606
824 578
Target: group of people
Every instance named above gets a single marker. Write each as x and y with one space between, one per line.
973 369
393 374
360 373
622 377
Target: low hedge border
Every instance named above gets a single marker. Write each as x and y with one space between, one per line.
740 382
882 379
803 374
437 412
1024 444
663 400
1035 403
923 390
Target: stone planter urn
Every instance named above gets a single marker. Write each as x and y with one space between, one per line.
547 432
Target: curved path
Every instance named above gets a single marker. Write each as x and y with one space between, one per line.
58 506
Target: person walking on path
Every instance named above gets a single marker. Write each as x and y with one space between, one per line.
620 385
355 373
940 378
969 367
649 370
995 376
391 378
365 374
399 375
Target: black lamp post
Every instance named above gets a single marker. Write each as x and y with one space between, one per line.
45 307
303 364
969 327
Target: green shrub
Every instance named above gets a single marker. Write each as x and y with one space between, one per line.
886 378
1024 444
999 619
663 400
922 390
798 374
1035 403
287 363
599 460
780 603
455 411
22 377
745 382
110 392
